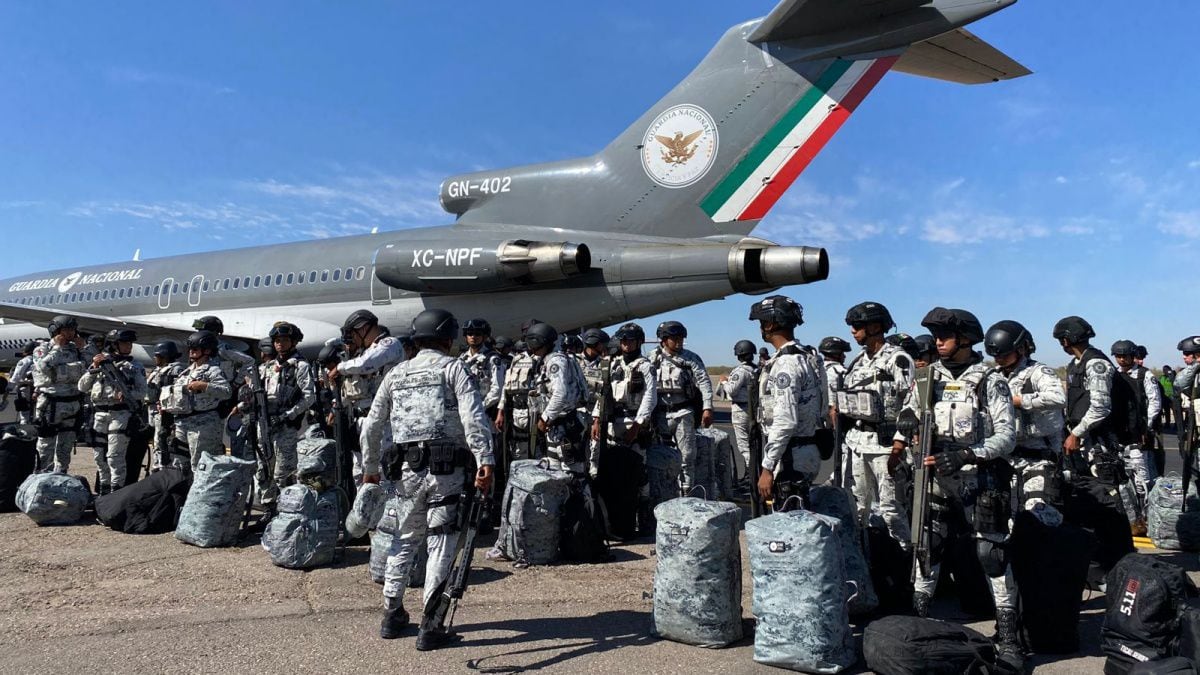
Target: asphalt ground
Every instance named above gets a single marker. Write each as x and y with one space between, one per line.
84 597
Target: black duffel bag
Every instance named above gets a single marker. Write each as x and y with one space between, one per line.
1051 567
149 506
18 459
1172 665
907 645
1145 598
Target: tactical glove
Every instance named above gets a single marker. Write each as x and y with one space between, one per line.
951 462
276 420
907 422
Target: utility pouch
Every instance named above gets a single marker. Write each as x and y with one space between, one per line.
444 459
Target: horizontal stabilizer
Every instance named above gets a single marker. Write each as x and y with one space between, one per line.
959 56
793 19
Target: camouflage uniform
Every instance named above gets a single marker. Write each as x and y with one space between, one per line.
430 400
561 391
741 378
1137 459
792 403
56 373
515 403
159 378
361 377
634 390
1039 436
197 424
680 376
21 383
487 368
869 400
113 416
988 429
291 391
593 376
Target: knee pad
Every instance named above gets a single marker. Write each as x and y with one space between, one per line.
992 556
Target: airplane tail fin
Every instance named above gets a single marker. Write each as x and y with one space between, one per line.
719 150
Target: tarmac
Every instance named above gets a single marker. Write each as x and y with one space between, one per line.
86 597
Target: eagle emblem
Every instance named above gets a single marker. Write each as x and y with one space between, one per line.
680 148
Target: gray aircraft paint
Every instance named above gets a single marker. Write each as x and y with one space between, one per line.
649 248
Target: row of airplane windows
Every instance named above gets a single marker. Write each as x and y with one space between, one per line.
218 286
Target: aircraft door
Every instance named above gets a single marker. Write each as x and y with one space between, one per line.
381 293
164 293
194 289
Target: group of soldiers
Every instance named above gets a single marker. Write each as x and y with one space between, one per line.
422 421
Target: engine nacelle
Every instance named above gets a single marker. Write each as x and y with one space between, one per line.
416 267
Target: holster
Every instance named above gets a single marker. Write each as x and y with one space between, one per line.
440 458
993 504
574 432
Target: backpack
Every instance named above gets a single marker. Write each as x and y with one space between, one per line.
53 498
212 514
1168 526
835 502
18 459
1145 598
1096 506
618 483
150 506
304 532
1050 565
801 592
395 509
907 645
891 568
1172 665
531 511
582 536
698 572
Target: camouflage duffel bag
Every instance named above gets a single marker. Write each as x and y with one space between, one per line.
531 512
366 511
212 514
835 502
53 498
304 532
394 511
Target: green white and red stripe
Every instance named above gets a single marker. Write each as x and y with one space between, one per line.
774 163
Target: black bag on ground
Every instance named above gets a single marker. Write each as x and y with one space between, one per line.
1096 506
1172 665
149 506
18 458
961 566
617 485
907 645
140 435
1146 596
1050 565
1188 642
891 571
582 537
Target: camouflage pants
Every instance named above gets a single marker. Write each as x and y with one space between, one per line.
200 433
960 492
1139 469
519 420
430 519
284 438
110 457
58 420
680 427
617 429
564 458
741 433
873 485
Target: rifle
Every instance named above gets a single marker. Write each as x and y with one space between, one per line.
439 611
922 475
604 405
137 419
758 506
1187 447
257 418
337 409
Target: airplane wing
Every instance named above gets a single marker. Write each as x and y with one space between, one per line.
93 323
959 56
802 18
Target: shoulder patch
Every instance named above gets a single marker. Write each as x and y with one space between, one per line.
1097 367
903 361
783 380
554 368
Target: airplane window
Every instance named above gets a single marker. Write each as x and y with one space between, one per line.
175 289
291 278
300 279
337 275
349 273
245 282
361 272
155 290
129 292
266 280
121 293
256 280
105 295
236 283
324 276
185 286
204 287
312 277
278 279
137 292
225 285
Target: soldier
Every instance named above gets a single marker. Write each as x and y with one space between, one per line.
1184 381
833 350
595 363
114 420
974 433
484 364
56 376
514 404
291 390
1137 452
435 412
1038 398
633 388
572 345
737 385
869 400
504 347
193 399
372 353
94 345
166 370
904 341
407 346
927 353
561 390
266 349
22 383
792 398
683 387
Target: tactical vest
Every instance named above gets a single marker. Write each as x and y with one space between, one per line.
674 376
628 385
104 391
593 375
743 397
766 385
479 367
1121 420
960 414
281 385
68 367
422 408
519 380
362 387
1136 384
573 376
1033 425
875 398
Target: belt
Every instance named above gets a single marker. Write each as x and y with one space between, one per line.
183 416
60 399
110 408
675 407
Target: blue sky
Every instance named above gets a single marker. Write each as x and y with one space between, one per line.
187 127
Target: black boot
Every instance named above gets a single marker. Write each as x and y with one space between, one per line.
428 640
1008 642
103 489
395 619
921 604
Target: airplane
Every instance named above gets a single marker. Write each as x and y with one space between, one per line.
660 219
